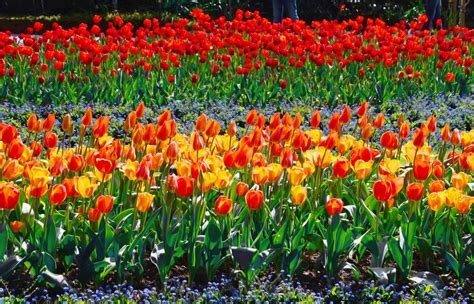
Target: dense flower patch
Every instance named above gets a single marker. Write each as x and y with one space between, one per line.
247 59
266 193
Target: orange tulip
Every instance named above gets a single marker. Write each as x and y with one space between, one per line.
48 123
431 124
71 184
260 175
213 128
185 186
274 172
436 201
379 121
16 226
419 138
16 149
9 134
87 118
32 123
105 203
66 125
130 121
140 110
101 126
94 215
298 194
57 194
223 205
315 120
389 140
455 137
286 157
144 201
296 175
201 123
197 142
445 133
12 169
404 130
460 180
232 129
437 186
384 190
9 196
50 140
104 165
363 109
251 117
172 151
415 191
464 203
438 169
241 188
422 169
341 168
345 115
366 132
334 205
254 199
362 168
76 163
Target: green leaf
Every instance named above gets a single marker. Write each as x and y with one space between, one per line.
9 265
51 237
3 240
57 280
385 275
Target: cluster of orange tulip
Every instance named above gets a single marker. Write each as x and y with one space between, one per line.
280 164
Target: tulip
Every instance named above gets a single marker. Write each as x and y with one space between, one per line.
363 109
298 194
140 110
12 169
315 120
105 203
274 172
32 123
104 165
87 118
201 123
460 180
286 157
9 196
362 168
379 121
415 191
334 205
436 201
66 125
101 126
431 124
366 132
345 115
71 184
260 175
172 151
197 142
464 203
445 133
9 134
48 123
57 194
16 149
254 199
422 169
451 196
251 117
85 187
241 188
130 121
438 169
296 175
384 190
144 201
404 130
185 186
16 226
389 140
455 137
76 163
223 205
437 186
341 168
94 215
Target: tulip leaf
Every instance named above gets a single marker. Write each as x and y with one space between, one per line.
9 265
385 275
51 236
3 240
56 280
427 278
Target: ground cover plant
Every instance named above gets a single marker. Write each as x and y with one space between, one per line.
247 59
265 195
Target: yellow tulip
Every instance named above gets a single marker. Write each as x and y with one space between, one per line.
223 179
86 187
129 169
296 175
460 180
390 165
452 196
464 203
144 201
208 180
183 168
362 168
345 143
298 194
260 175
274 172
436 200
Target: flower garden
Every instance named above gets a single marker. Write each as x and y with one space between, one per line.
214 160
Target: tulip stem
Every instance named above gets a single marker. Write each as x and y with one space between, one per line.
249 234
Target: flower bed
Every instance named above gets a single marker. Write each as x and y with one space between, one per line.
247 59
275 192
